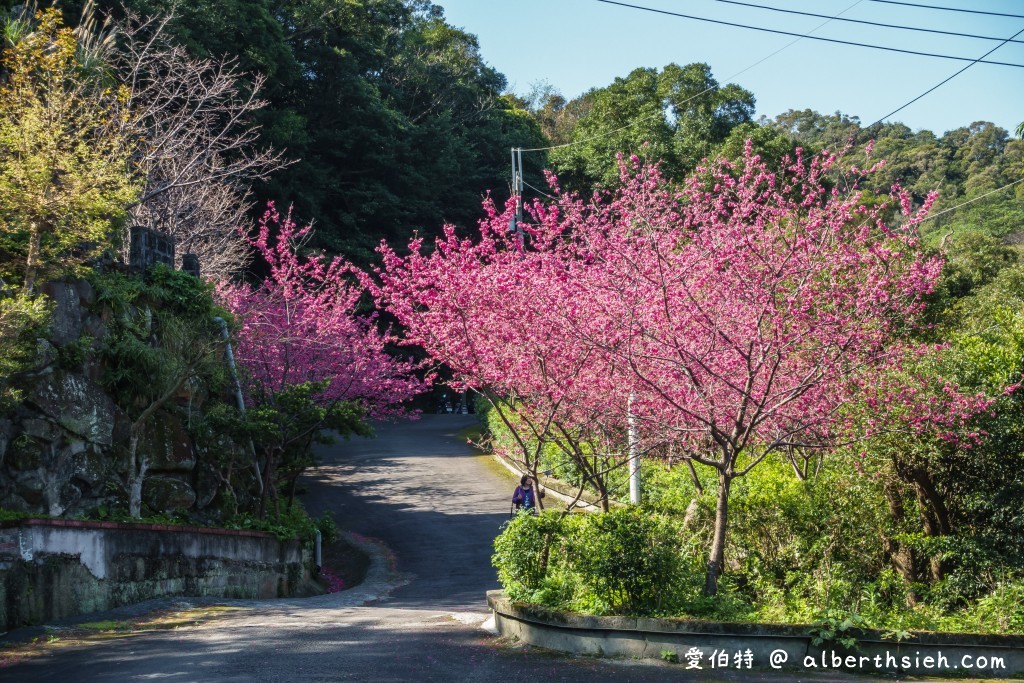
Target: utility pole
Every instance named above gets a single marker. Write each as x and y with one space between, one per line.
516 225
634 455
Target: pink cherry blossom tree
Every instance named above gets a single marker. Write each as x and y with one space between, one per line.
478 307
301 327
739 315
753 310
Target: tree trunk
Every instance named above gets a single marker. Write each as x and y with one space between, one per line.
716 558
268 474
694 504
137 468
934 517
901 556
35 247
536 481
292 483
601 484
691 512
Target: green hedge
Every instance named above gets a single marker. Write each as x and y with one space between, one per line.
627 561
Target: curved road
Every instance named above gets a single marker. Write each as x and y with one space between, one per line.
437 506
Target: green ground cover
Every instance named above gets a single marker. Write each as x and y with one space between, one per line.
801 551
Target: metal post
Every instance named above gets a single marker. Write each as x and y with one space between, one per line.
317 554
239 399
519 199
634 455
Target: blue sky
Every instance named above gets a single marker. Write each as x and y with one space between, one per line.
578 44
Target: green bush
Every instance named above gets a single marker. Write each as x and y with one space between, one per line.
522 553
629 559
800 551
22 320
293 522
1001 611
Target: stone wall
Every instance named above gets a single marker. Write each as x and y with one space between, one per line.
63 451
54 569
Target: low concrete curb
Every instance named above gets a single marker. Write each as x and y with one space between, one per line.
381 579
760 647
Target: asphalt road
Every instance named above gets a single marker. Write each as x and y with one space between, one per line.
422 492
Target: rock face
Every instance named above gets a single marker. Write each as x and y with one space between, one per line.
63 451
167 494
77 404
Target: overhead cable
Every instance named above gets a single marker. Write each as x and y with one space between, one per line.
536 190
949 9
689 99
805 35
971 201
947 80
863 21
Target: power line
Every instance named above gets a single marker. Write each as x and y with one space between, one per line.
947 80
862 21
689 99
804 35
949 9
536 190
971 201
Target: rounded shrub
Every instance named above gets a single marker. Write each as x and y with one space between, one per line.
629 559
523 552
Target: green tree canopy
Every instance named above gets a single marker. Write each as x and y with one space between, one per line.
678 115
64 158
395 120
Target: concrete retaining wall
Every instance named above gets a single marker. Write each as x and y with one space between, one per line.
759 647
52 569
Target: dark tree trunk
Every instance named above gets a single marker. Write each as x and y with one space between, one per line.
716 557
601 485
268 484
934 517
694 504
902 557
35 247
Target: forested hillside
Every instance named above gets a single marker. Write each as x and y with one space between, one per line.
392 120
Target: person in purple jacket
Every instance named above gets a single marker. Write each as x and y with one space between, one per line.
525 496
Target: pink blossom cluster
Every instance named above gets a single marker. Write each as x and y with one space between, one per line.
301 324
744 310
334 582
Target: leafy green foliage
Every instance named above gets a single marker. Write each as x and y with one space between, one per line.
523 552
394 120
72 356
293 522
291 420
629 558
64 174
12 515
678 115
627 561
838 628
23 319
167 305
